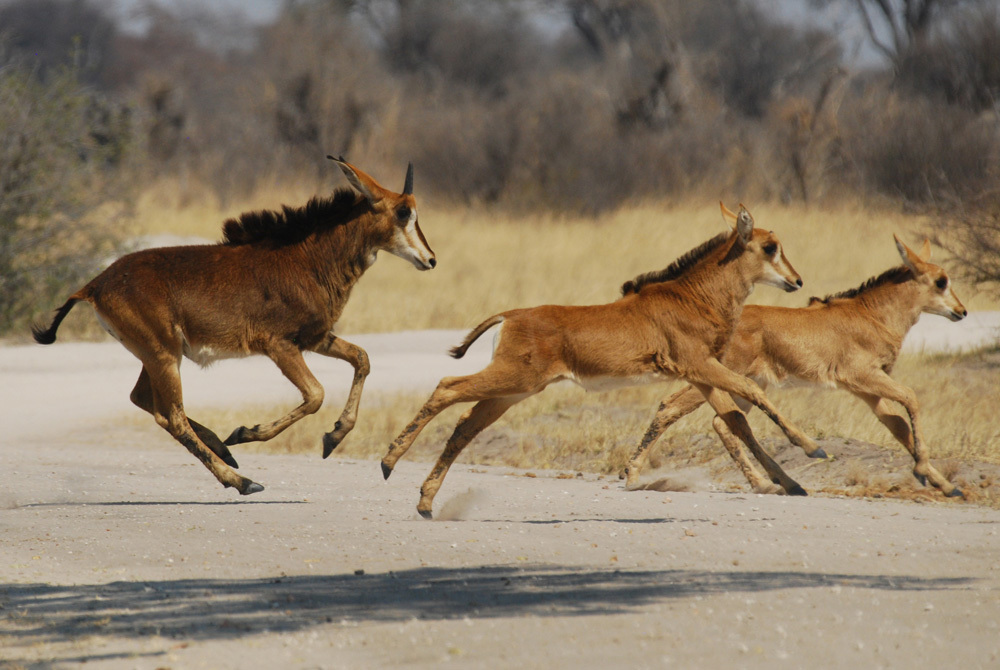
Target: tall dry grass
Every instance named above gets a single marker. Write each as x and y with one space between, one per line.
489 262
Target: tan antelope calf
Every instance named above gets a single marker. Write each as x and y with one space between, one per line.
848 340
275 286
675 324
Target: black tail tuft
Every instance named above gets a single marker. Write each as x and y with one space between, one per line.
48 335
42 335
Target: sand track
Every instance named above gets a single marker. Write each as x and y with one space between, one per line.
121 554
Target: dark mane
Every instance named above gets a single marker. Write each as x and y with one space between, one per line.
894 275
291 224
677 268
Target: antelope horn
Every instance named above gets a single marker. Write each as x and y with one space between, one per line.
408 184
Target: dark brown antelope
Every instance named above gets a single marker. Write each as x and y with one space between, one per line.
848 340
275 286
674 324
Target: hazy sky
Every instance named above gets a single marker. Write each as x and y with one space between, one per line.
839 17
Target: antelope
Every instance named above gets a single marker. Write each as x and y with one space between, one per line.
674 324
848 340
275 285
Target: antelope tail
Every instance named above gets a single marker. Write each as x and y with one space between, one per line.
48 335
459 351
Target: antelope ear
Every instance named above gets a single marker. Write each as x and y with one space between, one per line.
727 215
925 250
744 225
910 259
364 184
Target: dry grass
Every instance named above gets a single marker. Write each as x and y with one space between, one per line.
491 262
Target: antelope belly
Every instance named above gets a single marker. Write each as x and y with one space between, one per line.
205 354
609 383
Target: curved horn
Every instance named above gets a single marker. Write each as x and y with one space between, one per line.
408 184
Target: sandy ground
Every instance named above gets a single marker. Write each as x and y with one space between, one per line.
118 550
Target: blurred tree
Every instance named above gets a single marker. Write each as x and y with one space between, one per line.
895 27
54 160
959 61
58 33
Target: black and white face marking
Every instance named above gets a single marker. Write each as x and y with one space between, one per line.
408 241
777 270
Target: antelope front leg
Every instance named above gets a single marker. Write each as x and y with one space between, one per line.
758 482
438 402
289 361
906 432
717 375
671 410
729 413
358 358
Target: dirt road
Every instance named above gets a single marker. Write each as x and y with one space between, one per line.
118 550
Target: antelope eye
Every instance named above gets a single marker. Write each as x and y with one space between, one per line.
403 213
942 283
770 248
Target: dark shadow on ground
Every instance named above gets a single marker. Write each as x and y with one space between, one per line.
206 609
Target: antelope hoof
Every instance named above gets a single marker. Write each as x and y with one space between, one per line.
955 493
238 436
329 444
819 453
227 458
921 478
333 439
386 471
426 513
250 488
796 490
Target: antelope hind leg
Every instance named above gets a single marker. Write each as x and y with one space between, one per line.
142 397
168 410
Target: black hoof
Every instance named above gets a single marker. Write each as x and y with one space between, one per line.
253 488
329 444
226 456
426 513
797 491
238 436
386 471
921 478
819 453
955 493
